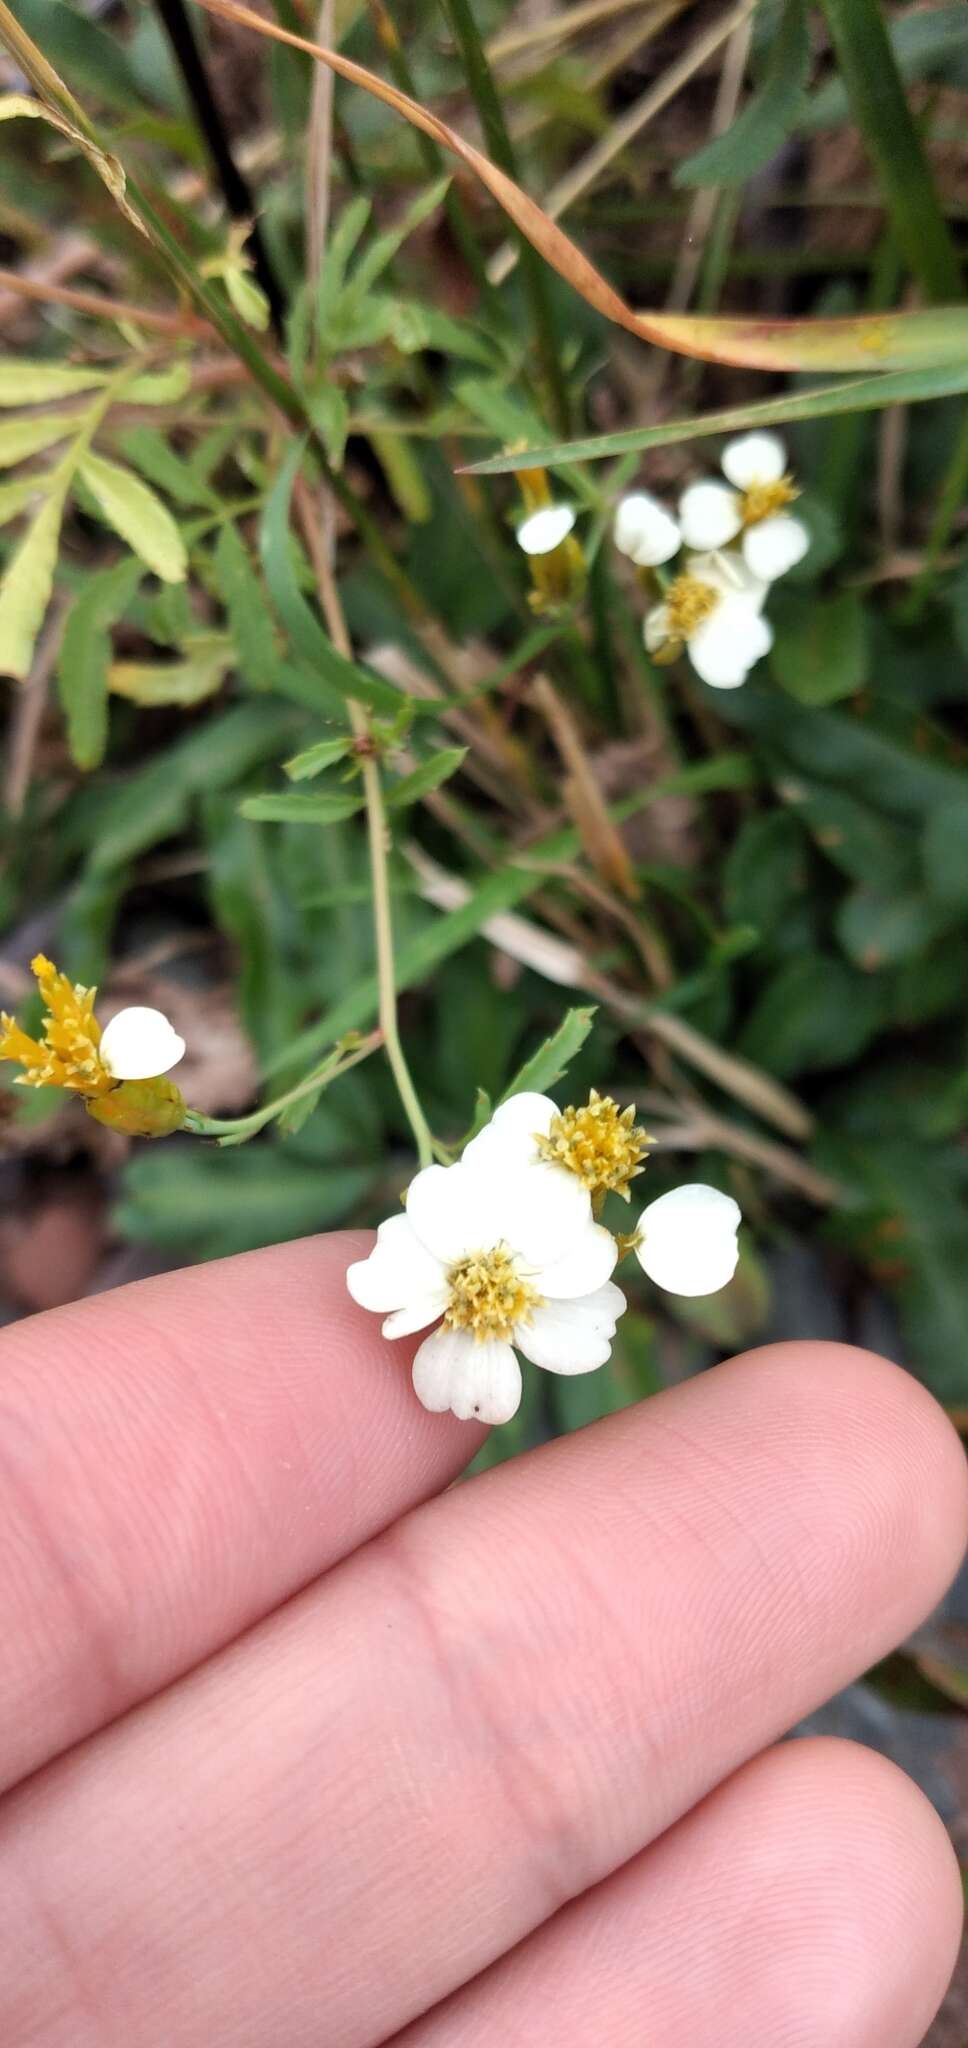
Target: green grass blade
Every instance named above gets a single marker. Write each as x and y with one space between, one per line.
769 116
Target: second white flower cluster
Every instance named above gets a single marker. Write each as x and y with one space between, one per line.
502 1252
743 536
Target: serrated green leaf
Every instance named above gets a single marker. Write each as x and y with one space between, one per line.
821 648
552 1060
314 759
767 119
22 438
17 495
250 620
85 651
130 506
26 586
428 776
37 383
186 682
299 810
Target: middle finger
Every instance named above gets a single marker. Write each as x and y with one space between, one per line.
385 1786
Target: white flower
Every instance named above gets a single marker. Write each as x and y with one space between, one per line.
688 1240
645 531
713 609
544 530
598 1143
500 1260
140 1044
712 514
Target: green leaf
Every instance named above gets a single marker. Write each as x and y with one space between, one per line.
154 456
250 620
91 57
342 242
82 666
430 774
820 650
131 507
32 383
767 120
552 1060
162 387
330 413
944 852
17 495
199 675
766 873
930 43
860 842
218 1203
314 759
403 473
347 678
247 297
384 247
816 1013
299 810
21 438
26 586
880 108
878 928
849 395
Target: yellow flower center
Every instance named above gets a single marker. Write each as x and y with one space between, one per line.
688 601
601 1143
488 1296
762 500
67 1055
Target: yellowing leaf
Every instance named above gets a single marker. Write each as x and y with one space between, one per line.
20 438
161 387
248 298
15 104
175 682
29 383
26 586
132 508
16 496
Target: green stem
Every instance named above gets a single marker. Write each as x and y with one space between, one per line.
501 148
378 839
882 113
236 1129
950 501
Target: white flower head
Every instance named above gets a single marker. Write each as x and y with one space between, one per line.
713 609
139 1045
597 1144
752 503
544 530
645 531
502 1262
687 1240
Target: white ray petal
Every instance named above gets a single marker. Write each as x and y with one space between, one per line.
398 1268
689 1240
451 1370
546 529
709 515
140 1044
724 648
775 545
573 1336
458 1209
754 459
645 531
513 1128
588 1263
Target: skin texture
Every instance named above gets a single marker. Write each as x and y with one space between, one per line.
304 1748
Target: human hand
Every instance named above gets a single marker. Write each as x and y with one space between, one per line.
502 1772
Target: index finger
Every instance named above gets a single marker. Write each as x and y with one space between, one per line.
179 1457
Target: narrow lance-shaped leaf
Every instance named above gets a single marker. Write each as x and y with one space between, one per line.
846 344
299 810
82 667
186 682
132 508
428 776
21 438
769 116
249 616
313 760
28 383
858 394
16 496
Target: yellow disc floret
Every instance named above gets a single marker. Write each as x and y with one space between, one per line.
760 501
601 1143
66 1056
688 601
488 1295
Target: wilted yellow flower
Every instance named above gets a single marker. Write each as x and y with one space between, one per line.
119 1072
